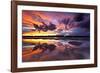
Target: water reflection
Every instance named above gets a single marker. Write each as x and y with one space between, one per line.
55 49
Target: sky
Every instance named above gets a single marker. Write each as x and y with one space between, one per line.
46 23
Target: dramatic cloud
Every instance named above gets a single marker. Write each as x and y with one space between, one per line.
56 22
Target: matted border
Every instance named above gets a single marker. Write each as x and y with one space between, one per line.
20 8
14 36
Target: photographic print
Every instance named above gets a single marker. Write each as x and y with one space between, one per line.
55 36
49 37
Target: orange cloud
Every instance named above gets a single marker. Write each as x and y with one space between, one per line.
28 20
60 26
42 15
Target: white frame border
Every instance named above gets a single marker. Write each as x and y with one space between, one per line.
52 63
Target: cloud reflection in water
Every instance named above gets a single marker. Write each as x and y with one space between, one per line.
51 49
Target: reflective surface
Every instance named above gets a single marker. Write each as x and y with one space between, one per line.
52 49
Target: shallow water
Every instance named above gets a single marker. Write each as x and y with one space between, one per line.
55 49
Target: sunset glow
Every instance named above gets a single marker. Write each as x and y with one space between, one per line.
51 36
39 41
39 33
